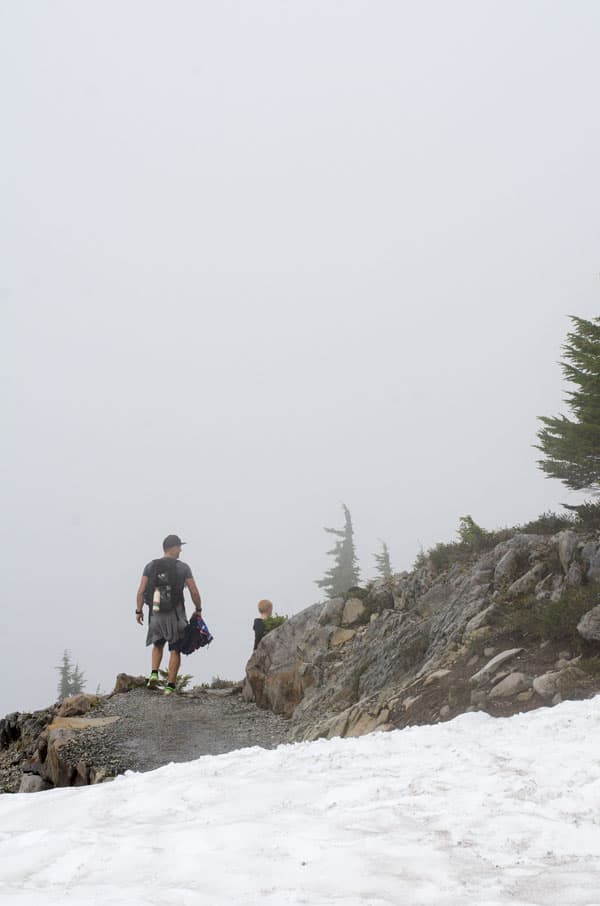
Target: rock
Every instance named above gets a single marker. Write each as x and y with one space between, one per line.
589 625
32 783
567 545
507 569
409 702
478 698
81 723
332 612
525 696
472 660
77 704
354 612
444 711
247 691
557 699
547 684
479 620
491 667
100 775
57 769
574 576
528 582
593 570
125 683
435 676
341 636
510 686
489 651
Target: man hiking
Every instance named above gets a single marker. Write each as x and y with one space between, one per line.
161 589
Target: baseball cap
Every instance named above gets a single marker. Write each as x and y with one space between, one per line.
172 541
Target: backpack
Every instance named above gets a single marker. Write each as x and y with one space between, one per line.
196 635
164 580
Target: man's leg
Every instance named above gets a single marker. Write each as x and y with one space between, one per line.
157 653
174 663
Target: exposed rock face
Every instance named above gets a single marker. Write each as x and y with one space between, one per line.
422 646
35 743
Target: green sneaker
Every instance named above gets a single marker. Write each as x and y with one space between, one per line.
169 689
153 680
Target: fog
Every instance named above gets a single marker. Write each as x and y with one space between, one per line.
259 259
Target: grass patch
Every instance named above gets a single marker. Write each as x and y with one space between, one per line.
475 540
554 621
590 665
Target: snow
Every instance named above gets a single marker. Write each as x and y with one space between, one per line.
475 811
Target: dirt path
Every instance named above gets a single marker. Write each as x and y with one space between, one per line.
154 729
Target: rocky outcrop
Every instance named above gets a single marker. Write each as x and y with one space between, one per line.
34 747
424 646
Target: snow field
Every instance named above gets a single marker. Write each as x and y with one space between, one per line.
475 811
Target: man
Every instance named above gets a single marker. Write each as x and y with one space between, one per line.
161 588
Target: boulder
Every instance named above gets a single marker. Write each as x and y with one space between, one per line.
341 636
436 676
354 612
125 682
527 583
567 545
479 620
547 684
32 783
589 625
593 565
332 612
492 666
511 685
507 569
77 704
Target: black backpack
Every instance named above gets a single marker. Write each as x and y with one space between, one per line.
166 580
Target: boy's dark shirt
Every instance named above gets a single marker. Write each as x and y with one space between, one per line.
259 631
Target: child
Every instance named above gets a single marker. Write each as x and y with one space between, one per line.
265 609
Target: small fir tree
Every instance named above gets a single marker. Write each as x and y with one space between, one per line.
344 573
71 678
384 567
571 446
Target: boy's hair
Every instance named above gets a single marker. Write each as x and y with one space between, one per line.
265 607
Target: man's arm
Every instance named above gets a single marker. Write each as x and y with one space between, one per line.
139 601
195 594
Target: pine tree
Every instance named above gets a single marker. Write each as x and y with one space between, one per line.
571 446
344 574
382 560
71 678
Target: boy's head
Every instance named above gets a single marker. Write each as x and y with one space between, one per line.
265 608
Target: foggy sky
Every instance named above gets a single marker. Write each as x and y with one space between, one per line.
257 259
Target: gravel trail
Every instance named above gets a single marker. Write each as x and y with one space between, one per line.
154 729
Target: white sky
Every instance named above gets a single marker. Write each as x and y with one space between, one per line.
258 259
478 810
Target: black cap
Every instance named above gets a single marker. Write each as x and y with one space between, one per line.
172 541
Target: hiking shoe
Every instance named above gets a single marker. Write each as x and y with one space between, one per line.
153 680
169 689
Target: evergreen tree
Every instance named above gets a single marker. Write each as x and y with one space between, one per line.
71 678
382 560
344 573
571 446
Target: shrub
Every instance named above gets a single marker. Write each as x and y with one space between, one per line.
554 621
273 622
180 683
